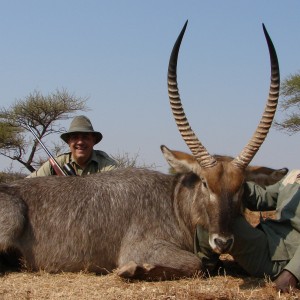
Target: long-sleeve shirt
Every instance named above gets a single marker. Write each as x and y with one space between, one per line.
99 162
283 233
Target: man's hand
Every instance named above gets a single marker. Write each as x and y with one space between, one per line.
286 281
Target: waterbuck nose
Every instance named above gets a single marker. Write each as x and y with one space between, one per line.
223 245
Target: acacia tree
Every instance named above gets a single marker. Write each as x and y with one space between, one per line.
290 104
42 114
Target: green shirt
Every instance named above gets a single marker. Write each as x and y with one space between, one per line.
283 233
99 162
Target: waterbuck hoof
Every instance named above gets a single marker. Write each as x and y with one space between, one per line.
128 270
133 270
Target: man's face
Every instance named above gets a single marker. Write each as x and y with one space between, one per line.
81 145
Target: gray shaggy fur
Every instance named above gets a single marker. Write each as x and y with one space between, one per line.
127 219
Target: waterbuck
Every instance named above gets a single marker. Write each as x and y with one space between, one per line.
139 222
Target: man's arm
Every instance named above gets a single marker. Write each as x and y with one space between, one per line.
257 198
44 170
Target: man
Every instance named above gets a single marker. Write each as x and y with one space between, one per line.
273 247
81 139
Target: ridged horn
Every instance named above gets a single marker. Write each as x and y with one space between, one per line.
247 154
198 150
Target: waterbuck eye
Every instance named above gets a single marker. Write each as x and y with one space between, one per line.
204 182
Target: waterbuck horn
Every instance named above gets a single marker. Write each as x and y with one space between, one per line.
247 154
198 150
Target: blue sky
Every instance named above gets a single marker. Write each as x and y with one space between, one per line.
116 53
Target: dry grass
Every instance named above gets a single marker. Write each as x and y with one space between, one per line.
88 286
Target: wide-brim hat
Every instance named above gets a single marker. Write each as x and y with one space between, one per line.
81 124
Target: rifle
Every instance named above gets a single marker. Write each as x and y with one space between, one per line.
67 169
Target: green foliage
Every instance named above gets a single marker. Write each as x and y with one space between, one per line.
290 105
38 110
10 135
42 114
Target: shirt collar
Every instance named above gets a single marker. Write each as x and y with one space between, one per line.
93 158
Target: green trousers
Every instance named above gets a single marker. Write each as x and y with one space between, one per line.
250 250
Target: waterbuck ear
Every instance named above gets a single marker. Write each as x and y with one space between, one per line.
181 162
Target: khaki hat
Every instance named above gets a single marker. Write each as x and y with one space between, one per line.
81 124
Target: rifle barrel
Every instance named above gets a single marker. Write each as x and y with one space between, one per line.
52 160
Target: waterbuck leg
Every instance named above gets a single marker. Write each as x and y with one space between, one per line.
154 272
158 262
